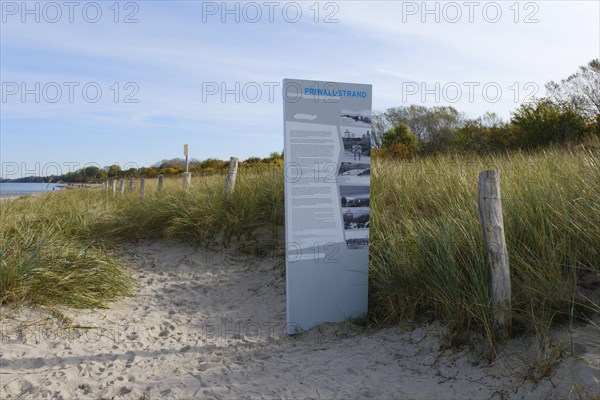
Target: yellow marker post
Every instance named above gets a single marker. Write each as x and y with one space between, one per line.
185 153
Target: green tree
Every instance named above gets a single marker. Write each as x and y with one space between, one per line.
399 134
168 171
485 134
275 158
252 160
433 127
101 175
213 164
545 122
114 171
89 172
398 142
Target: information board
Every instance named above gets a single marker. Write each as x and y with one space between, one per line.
327 149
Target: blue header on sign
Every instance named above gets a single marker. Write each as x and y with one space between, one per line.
334 93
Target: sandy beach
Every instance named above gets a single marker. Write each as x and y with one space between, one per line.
212 325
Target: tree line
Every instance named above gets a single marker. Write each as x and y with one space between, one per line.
167 167
569 113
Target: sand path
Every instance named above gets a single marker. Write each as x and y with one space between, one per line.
211 325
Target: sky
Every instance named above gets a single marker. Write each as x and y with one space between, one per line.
130 82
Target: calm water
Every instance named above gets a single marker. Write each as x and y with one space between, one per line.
19 189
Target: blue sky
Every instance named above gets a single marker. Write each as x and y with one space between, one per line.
178 49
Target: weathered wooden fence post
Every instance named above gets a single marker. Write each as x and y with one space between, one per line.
490 211
131 183
161 182
186 180
231 176
113 184
122 187
142 187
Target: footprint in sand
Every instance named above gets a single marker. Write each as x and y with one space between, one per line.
165 330
85 388
206 366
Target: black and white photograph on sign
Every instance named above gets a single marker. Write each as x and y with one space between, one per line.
356 118
357 144
354 169
354 196
358 243
357 239
356 218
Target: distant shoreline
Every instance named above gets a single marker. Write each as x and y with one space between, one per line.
63 186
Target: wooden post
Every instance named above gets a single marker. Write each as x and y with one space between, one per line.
490 211
142 187
231 176
161 182
122 187
186 180
131 183
113 184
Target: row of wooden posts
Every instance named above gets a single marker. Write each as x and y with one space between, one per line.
186 182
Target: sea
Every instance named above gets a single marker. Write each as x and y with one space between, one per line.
10 189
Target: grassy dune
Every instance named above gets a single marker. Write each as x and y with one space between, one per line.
427 249
428 255
48 255
53 247
203 215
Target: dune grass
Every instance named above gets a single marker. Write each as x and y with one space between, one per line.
47 257
203 215
53 248
427 255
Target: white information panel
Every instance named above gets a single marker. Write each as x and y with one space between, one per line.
327 129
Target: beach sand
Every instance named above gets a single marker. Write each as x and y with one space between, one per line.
211 325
